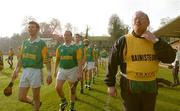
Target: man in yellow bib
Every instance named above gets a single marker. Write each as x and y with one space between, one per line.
138 55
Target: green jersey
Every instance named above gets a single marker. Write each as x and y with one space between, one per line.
81 47
96 53
104 54
34 53
68 55
90 54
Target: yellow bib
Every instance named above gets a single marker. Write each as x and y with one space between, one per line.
142 64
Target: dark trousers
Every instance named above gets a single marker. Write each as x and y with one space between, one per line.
140 102
175 72
136 101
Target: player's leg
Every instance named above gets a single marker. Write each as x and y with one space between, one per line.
89 78
60 80
24 86
23 95
72 79
72 95
82 83
93 73
8 61
35 83
36 98
86 77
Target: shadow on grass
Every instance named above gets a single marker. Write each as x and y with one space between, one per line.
176 88
168 99
99 91
99 108
106 103
7 72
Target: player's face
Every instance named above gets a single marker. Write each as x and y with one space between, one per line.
86 43
32 29
140 22
67 37
77 39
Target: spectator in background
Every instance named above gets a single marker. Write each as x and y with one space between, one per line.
1 62
10 58
175 69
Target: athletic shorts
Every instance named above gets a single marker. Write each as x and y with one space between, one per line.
68 74
31 78
90 65
104 59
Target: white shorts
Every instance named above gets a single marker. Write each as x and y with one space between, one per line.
68 74
31 78
90 65
104 59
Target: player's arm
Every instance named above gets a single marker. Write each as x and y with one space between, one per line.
93 54
18 65
57 61
47 61
84 57
79 56
17 69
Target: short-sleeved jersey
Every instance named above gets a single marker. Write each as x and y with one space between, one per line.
90 54
104 54
82 48
68 56
34 54
96 53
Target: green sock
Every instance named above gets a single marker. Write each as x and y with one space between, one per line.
89 82
63 100
93 78
72 105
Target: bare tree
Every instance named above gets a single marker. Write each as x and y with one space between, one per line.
55 26
48 29
26 20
